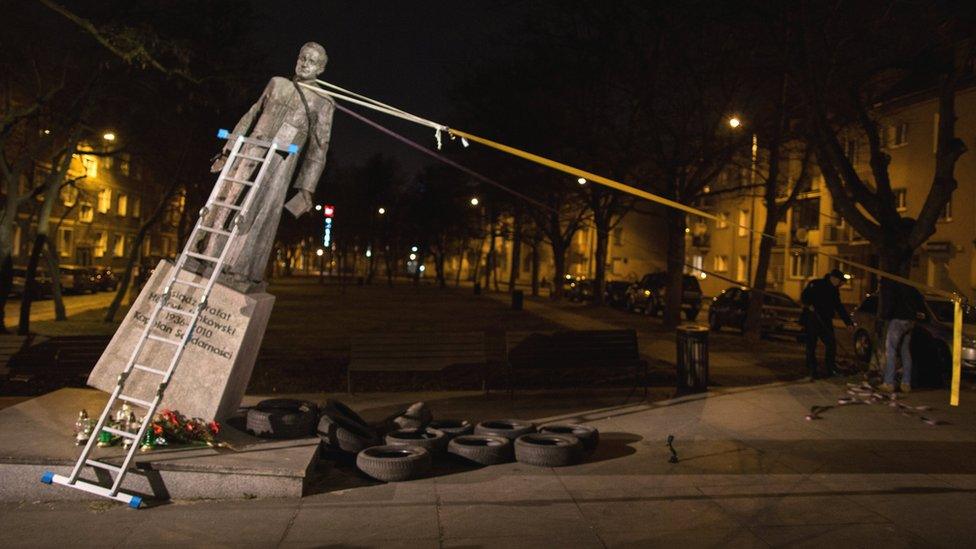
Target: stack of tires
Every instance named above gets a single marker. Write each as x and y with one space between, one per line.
404 446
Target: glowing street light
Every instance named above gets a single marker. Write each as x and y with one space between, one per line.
319 252
734 122
474 201
581 181
108 136
413 248
381 211
413 257
318 207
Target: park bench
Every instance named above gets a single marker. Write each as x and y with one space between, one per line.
600 349
416 352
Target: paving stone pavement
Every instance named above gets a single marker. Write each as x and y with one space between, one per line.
752 472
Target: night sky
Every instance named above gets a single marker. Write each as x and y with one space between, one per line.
402 53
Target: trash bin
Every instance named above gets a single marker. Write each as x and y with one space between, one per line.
477 288
692 358
518 297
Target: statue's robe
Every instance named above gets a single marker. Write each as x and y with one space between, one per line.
279 115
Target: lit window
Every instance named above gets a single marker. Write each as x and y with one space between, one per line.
65 238
15 250
901 199
803 266
743 229
101 244
124 166
104 200
118 250
618 236
720 263
740 268
107 162
136 207
723 220
69 195
899 134
85 212
123 204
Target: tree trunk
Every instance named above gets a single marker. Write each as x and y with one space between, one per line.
6 285
516 253
490 259
536 267
600 256
53 266
559 269
676 260
462 251
753 320
30 284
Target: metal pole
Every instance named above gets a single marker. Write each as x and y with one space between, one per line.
956 350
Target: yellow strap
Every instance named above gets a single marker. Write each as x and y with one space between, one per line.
956 353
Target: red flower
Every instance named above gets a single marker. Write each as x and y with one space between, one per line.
214 427
157 429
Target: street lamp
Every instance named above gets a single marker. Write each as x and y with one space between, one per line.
319 252
474 201
108 136
734 122
318 207
581 181
381 211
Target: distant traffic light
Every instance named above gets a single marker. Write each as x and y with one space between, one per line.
328 210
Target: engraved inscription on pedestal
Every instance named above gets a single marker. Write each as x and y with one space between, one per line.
213 373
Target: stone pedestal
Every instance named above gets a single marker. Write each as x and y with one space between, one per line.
213 373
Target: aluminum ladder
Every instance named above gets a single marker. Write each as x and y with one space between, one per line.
252 153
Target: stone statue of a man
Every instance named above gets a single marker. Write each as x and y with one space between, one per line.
288 114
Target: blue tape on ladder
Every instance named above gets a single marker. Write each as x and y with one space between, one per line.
135 502
292 149
47 477
223 134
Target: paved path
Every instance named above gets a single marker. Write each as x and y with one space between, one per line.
752 473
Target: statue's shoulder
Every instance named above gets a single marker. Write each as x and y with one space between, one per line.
278 82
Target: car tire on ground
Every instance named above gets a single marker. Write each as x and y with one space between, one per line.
588 436
343 410
508 428
482 449
548 450
432 440
393 463
452 427
340 433
282 418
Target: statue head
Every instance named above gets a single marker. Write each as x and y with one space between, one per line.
311 61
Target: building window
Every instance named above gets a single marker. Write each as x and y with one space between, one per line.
118 250
123 204
15 251
618 236
136 207
803 266
69 196
806 214
146 247
65 238
107 162
723 220
743 228
124 166
901 199
946 214
898 134
720 263
101 244
740 268
698 262
85 212
104 200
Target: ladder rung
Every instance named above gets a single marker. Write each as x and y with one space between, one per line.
249 157
190 283
215 231
103 465
148 369
119 433
137 401
203 257
227 205
169 340
240 181
169 309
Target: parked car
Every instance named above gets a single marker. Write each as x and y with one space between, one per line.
615 293
780 313
579 289
105 280
932 336
78 280
649 295
44 285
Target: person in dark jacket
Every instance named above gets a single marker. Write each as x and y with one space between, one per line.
821 300
901 306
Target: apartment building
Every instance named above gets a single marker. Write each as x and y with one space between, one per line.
95 221
946 261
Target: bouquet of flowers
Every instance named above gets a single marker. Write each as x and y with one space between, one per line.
172 426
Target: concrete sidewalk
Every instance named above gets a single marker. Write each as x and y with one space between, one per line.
752 472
